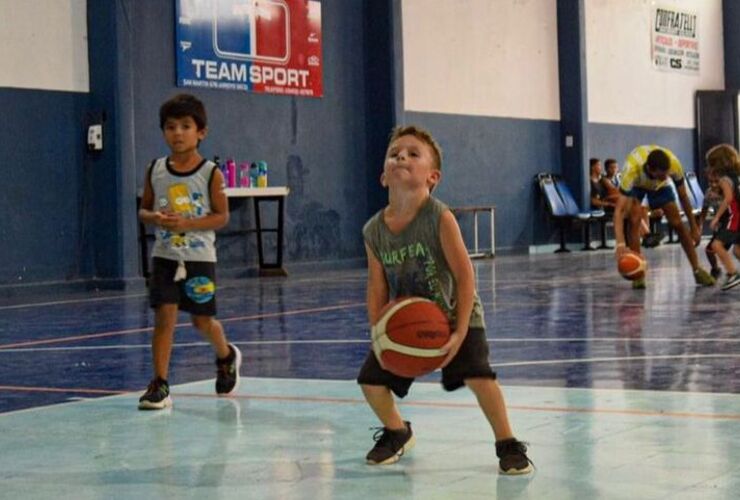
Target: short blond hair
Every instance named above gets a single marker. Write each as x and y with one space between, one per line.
723 159
424 136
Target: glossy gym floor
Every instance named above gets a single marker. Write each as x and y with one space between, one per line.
620 393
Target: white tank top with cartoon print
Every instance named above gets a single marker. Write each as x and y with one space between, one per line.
189 195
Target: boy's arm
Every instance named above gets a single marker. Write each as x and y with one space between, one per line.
146 213
461 267
726 185
377 287
620 211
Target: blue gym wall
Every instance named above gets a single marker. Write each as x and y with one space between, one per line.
317 147
42 164
488 158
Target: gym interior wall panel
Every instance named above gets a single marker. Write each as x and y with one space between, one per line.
43 172
616 141
490 160
43 44
479 57
623 86
315 146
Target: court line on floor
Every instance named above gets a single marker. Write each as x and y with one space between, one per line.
339 400
129 331
27 305
503 340
610 359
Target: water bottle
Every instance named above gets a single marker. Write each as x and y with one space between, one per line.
253 174
262 174
244 175
231 173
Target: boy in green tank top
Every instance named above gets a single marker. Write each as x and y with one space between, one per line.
439 269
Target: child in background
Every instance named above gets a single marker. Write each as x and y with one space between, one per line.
441 272
724 169
712 200
184 197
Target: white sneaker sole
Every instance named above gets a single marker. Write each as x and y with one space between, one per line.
395 458
516 472
729 286
148 405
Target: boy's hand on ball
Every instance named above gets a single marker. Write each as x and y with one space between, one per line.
452 346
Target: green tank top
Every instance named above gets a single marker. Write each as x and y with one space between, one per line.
414 262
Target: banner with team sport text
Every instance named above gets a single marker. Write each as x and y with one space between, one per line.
262 46
675 41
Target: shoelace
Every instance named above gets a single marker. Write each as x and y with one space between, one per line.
518 447
154 387
224 368
387 437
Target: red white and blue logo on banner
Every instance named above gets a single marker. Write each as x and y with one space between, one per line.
263 46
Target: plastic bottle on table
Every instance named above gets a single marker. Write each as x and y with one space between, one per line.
231 173
253 174
262 174
244 175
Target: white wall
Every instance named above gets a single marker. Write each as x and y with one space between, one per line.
43 44
623 86
481 57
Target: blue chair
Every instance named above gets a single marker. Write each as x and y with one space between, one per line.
563 209
695 190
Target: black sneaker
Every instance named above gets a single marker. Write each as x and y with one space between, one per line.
390 445
652 240
227 372
157 396
513 458
715 272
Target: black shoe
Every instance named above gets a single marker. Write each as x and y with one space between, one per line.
715 272
157 396
513 458
390 445
227 372
652 240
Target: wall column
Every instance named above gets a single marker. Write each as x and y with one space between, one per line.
573 98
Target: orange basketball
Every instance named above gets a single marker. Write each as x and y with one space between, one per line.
632 266
408 335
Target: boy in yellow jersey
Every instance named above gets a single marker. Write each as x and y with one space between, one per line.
645 173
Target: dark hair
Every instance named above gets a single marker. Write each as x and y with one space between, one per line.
181 106
658 160
610 161
592 162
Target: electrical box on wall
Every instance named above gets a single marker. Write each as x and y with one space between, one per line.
95 137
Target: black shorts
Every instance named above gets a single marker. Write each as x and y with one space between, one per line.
471 361
195 294
727 237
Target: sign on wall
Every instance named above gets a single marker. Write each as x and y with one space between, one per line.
675 41
262 46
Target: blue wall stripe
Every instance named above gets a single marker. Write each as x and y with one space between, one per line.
616 141
490 160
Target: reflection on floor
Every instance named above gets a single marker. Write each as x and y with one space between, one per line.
620 393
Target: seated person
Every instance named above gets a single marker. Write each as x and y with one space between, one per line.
610 180
599 194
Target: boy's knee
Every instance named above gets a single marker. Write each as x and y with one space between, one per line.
202 323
